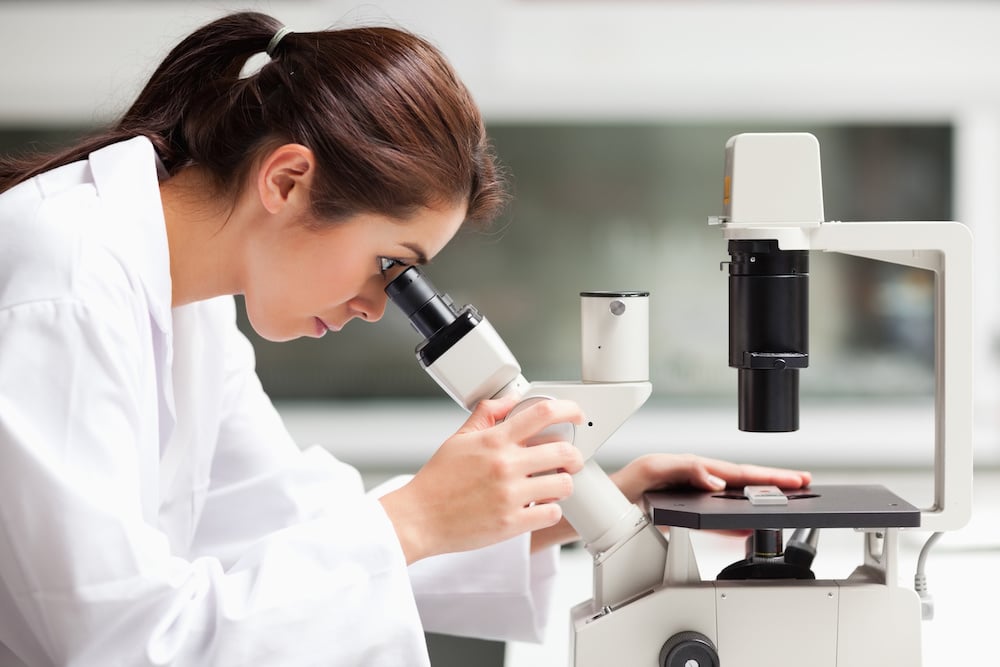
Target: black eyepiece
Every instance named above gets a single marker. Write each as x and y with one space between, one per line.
427 309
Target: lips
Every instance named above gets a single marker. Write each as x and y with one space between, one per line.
322 327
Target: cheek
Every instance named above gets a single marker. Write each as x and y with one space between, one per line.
276 306
338 278
313 277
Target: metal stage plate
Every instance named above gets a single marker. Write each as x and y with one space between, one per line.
833 506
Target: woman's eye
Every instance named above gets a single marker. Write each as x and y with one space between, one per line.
386 263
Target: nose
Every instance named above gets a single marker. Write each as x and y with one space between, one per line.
369 305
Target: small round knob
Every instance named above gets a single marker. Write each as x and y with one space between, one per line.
689 649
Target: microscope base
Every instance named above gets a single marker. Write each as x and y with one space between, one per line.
866 620
774 623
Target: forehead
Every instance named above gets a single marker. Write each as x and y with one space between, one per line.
427 231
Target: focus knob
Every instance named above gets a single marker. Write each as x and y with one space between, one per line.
689 649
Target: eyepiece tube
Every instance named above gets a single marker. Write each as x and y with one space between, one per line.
768 331
460 349
428 310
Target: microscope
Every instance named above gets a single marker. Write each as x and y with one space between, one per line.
650 605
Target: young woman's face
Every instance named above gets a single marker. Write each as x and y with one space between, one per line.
305 282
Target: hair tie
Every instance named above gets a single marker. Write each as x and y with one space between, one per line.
278 36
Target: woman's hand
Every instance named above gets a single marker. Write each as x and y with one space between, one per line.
480 487
655 471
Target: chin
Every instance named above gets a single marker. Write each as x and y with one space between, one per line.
276 337
269 332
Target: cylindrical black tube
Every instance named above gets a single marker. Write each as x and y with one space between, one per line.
768 331
768 400
768 542
427 309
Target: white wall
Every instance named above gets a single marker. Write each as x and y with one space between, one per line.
863 60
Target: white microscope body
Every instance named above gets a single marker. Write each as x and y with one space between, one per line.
469 360
650 606
772 191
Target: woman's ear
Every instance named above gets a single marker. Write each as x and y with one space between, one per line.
285 177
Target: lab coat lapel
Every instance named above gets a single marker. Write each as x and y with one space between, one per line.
126 177
128 185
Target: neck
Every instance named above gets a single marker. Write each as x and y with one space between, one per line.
202 252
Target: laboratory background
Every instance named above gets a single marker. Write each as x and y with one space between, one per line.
611 118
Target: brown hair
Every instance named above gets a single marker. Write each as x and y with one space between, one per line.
392 127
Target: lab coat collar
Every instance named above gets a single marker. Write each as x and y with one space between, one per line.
126 176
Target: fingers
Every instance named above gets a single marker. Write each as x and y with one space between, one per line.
741 474
657 470
551 456
525 424
547 488
488 413
714 474
540 516
703 478
485 484
654 471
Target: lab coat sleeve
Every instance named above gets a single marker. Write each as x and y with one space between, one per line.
501 592
86 580
263 485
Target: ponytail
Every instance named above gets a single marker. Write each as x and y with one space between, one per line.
189 108
392 127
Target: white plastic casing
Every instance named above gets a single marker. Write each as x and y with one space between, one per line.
477 367
773 178
614 336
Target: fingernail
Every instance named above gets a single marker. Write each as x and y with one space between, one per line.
716 482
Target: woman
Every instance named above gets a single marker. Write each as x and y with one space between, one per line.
154 510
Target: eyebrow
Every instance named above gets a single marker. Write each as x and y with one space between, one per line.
416 250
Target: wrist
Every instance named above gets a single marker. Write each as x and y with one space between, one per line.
407 524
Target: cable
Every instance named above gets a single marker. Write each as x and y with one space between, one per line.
920 579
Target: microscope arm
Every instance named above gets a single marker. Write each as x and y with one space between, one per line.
946 249
629 551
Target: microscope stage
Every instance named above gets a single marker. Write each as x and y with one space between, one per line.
834 506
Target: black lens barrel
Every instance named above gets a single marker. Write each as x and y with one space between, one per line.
427 309
768 331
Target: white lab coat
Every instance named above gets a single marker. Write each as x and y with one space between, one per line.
153 508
